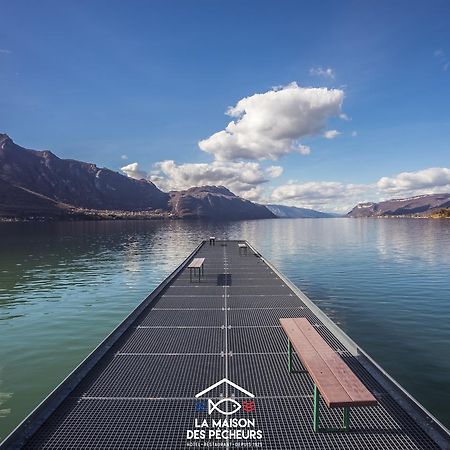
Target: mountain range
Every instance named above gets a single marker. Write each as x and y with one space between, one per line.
419 205
38 184
293 212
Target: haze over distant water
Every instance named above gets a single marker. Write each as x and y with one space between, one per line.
64 286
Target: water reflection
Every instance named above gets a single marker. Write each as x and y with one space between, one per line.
64 286
408 239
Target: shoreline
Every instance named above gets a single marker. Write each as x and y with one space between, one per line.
112 216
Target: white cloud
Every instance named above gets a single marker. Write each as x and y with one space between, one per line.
304 149
249 180
242 178
331 134
322 72
310 190
269 125
5 51
341 197
354 133
432 180
255 194
124 157
322 195
133 171
274 171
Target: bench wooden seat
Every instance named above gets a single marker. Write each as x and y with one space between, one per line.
333 378
196 263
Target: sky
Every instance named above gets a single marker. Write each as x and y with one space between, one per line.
319 104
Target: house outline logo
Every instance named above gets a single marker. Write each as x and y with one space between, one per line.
216 406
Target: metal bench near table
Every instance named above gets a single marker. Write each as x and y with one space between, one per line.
333 378
196 264
243 249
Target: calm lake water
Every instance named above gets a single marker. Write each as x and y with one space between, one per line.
64 286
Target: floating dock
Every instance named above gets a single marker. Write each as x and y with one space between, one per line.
196 353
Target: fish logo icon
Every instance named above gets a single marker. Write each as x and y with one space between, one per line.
215 406
226 406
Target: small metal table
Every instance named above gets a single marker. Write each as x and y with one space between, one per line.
196 264
243 249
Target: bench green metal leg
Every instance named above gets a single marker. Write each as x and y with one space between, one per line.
346 420
290 356
316 415
316 409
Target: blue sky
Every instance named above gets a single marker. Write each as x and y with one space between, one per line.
101 80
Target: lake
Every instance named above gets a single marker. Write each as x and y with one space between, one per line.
65 286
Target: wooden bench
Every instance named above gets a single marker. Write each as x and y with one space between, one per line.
243 248
333 378
196 263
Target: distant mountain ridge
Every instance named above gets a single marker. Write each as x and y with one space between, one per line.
74 182
39 184
215 201
419 205
293 212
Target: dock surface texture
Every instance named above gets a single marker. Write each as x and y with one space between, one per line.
141 393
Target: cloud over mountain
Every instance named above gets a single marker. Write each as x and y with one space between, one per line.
264 127
133 171
434 179
328 195
338 196
270 125
243 178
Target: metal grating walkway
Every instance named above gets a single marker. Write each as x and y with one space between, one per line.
139 393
